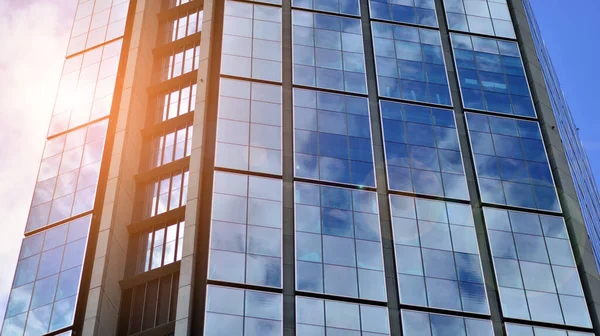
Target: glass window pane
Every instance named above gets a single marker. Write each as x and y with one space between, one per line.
340 142
342 240
313 316
437 260
534 267
426 324
251 239
335 42
511 164
418 73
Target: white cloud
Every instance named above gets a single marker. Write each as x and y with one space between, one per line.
34 36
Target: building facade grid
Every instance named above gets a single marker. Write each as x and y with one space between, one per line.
350 167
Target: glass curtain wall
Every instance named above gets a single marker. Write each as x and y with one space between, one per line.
351 115
45 289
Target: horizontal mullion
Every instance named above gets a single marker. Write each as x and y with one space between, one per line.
177 165
143 278
173 82
150 223
185 119
166 49
180 11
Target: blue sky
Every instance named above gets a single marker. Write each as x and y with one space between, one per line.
571 29
30 29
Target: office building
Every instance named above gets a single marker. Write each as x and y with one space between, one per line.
304 167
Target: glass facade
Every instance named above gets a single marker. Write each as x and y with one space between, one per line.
487 17
410 64
245 241
68 176
349 206
491 75
97 22
422 152
45 287
581 171
348 7
513 329
511 163
328 52
332 138
437 256
232 311
421 12
535 268
249 126
86 87
425 324
335 239
315 317
45 290
338 237
251 41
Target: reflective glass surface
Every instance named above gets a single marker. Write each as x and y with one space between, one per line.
317 317
178 62
338 237
437 256
66 183
46 281
328 52
242 312
421 12
523 330
332 138
251 41
249 126
245 240
171 146
96 22
348 7
487 17
491 75
176 102
534 264
422 150
424 324
160 246
511 162
168 192
86 87
410 64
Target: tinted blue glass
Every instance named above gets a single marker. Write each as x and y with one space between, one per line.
498 79
332 138
242 312
349 7
335 42
409 63
417 152
337 236
509 152
437 254
246 248
314 316
47 279
531 263
420 12
420 324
